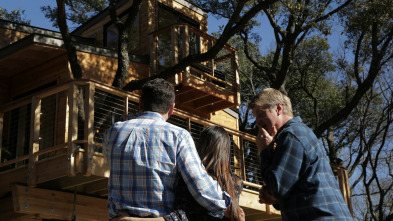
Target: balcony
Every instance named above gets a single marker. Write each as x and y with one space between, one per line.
202 87
52 164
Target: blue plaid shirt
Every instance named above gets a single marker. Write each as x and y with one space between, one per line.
296 169
146 156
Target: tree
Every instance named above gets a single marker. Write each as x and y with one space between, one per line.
78 11
14 16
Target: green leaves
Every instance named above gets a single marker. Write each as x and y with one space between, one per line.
14 16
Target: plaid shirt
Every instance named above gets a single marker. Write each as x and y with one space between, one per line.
296 169
146 156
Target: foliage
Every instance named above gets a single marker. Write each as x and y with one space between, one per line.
14 16
78 11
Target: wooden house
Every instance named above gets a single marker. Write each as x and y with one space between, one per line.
51 125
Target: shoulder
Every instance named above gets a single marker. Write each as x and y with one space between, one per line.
296 129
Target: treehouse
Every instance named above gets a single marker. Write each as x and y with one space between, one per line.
51 125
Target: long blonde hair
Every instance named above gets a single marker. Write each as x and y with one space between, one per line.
214 150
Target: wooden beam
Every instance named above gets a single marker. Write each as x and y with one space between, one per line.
8 213
34 140
205 101
98 186
49 204
189 96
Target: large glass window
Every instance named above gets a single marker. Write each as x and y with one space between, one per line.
111 35
166 17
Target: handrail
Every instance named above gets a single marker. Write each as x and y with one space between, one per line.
36 154
112 90
246 183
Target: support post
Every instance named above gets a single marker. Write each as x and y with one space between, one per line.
34 141
89 128
73 128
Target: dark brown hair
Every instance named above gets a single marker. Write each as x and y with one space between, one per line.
214 150
157 95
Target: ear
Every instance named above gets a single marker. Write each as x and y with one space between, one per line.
171 109
279 109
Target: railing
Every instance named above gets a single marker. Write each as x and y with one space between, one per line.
77 131
172 43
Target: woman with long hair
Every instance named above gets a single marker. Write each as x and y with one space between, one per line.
214 150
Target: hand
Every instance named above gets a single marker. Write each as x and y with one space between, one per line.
264 138
242 215
265 197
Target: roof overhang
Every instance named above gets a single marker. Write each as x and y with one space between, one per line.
36 49
28 52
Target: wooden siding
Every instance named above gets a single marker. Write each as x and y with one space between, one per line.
103 68
8 36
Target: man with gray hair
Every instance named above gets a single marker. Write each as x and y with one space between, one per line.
294 165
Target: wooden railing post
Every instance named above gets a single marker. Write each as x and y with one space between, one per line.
72 128
243 165
236 79
1 133
125 115
89 127
34 141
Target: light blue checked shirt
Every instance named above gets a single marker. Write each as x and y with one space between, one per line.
146 156
298 173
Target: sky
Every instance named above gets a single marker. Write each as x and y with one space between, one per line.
34 13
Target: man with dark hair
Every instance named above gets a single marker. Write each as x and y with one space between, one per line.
294 164
146 156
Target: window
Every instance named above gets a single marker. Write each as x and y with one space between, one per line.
111 35
166 17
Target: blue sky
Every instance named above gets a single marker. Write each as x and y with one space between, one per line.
32 10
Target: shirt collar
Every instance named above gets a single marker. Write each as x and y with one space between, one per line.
151 115
291 121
